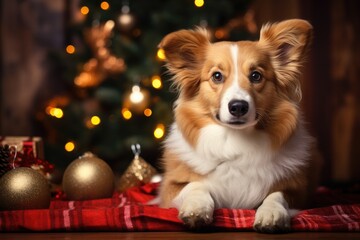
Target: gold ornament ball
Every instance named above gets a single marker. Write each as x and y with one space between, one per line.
24 188
88 177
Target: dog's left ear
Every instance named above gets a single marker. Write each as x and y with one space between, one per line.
287 42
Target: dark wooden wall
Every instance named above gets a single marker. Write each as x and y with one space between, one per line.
331 84
30 30
334 82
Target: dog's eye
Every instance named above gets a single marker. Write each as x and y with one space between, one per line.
217 77
255 77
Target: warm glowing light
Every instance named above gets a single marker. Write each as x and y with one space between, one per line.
104 5
147 112
159 131
103 52
219 34
84 10
136 95
126 20
70 49
55 112
156 82
109 24
58 113
85 79
70 146
126 113
48 110
52 111
95 120
199 3
161 54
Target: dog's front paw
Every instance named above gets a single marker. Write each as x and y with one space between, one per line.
196 217
195 205
272 219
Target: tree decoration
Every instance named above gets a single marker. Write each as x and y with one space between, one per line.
128 32
18 153
138 172
103 64
126 20
24 188
88 177
26 158
136 100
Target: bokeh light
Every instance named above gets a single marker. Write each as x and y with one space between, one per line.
126 113
104 5
84 10
70 49
161 54
159 131
147 112
95 120
156 82
199 3
70 146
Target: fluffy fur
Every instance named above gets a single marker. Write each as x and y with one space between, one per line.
238 140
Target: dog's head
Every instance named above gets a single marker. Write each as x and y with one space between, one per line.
240 83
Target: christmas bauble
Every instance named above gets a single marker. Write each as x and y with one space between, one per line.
88 177
138 172
24 188
126 20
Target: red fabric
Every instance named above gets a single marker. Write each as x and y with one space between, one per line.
125 212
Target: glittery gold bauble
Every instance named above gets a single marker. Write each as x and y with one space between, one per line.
24 188
138 172
88 177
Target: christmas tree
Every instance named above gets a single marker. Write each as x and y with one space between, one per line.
115 91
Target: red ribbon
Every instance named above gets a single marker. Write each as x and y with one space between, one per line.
26 158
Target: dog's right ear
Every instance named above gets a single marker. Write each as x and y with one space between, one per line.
287 41
185 48
185 52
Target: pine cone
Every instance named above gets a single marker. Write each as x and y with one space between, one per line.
4 159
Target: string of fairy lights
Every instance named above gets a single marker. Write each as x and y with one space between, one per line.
136 96
95 69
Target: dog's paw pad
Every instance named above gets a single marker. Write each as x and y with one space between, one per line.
196 219
271 228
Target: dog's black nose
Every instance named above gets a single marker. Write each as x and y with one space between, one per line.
238 108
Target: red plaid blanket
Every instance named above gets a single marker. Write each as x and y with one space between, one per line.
125 212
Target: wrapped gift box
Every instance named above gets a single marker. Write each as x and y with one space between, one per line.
25 145
27 152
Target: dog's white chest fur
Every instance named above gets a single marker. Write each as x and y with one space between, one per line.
240 165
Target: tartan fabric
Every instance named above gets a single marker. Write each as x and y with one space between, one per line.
126 212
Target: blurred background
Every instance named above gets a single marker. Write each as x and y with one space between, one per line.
88 76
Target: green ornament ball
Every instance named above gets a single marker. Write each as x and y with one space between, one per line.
24 188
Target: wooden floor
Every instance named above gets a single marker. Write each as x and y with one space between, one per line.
176 235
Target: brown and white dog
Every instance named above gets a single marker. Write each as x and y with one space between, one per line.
238 140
